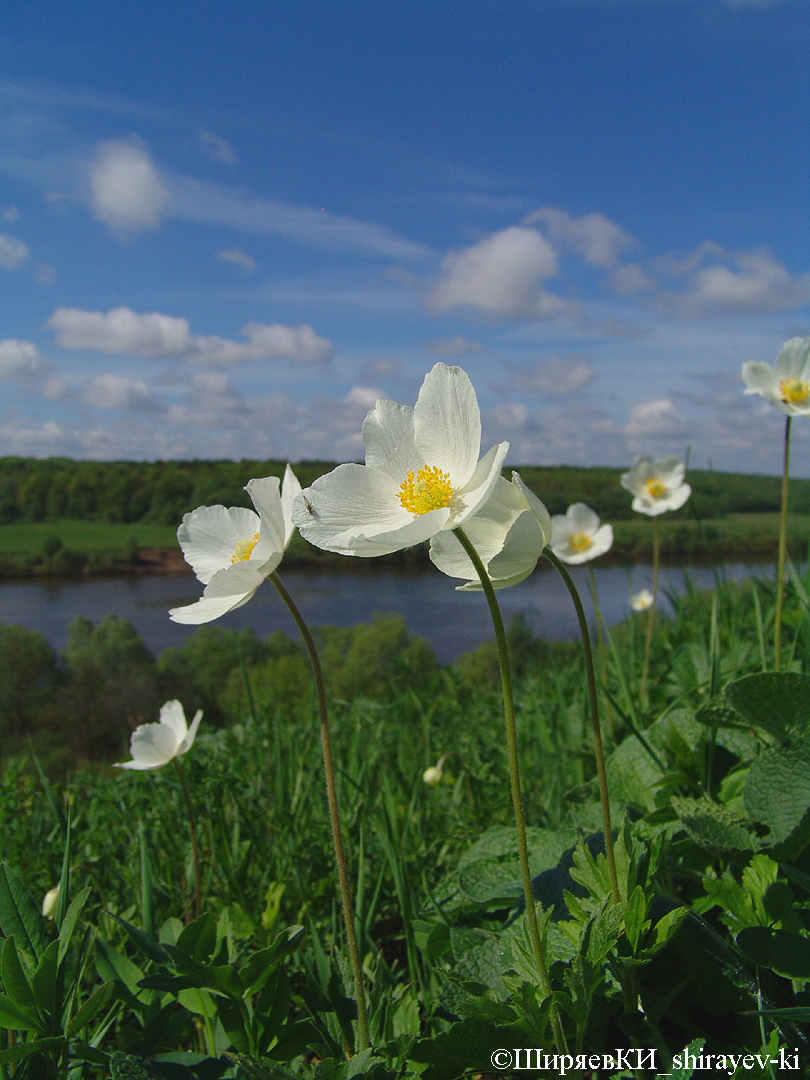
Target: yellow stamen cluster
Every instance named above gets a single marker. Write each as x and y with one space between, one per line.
794 391
244 549
655 489
580 541
429 490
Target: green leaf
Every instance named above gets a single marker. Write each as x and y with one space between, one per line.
635 917
785 953
44 981
715 828
198 1002
478 956
68 924
20 916
112 966
199 938
777 794
149 946
18 1017
94 1004
490 869
15 981
24 1050
667 926
777 702
633 774
293 1040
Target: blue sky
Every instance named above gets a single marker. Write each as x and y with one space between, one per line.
226 229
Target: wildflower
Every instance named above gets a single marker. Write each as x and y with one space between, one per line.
432 774
509 533
49 902
154 745
576 536
233 550
658 486
422 474
787 382
641 601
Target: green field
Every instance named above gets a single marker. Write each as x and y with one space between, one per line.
30 538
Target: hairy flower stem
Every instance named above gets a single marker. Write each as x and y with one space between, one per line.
780 566
334 813
600 638
514 781
651 616
597 730
192 824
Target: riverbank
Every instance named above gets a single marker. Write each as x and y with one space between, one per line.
67 548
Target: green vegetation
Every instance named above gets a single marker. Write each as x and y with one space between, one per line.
710 785
63 517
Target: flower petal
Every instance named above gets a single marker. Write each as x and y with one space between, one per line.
151 746
356 510
191 735
793 360
524 546
447 423
537 508
267 500
290 490
172 715
209 535
482 483
206 609
582 518
389 440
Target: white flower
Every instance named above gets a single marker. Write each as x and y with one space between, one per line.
154 745
509 533
787 383
576 536
641 601
49 902
658 486
232 551
422 474
432 774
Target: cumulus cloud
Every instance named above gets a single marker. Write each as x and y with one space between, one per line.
155 335
55 389
557 375
126 191
119 392
12 252
502 275
596 238
455 345
234 255
216 148
19 359
630 280
656 419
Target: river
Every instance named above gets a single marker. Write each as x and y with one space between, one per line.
453 622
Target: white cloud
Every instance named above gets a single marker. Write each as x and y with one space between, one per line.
656 419
558 375
630 279
19 359
126 192
154 335
596 238
234 255
10 213
55 389
12 252
455 345
501 275
119 392
216 148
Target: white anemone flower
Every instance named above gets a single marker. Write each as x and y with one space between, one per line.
154 745
577 537
509 533
658 485
422 474
641 601
233 550
49 902
787 382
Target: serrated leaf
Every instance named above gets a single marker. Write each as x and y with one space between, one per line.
715 828
777 794
785 953
777 702
20 916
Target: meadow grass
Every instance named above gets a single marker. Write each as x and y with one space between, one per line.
24 539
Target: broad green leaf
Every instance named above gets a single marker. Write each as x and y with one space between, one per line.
777 794
68 924
478 956
632 774
45 980
198 1002
785 953
113 967
716 828
24 1050
199 938
777 702
293 1040
20 916
18 1017
94 1004
15 981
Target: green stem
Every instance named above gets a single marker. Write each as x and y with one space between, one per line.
651 617
514 781
334 813
780 568
600 640
193 827
597 731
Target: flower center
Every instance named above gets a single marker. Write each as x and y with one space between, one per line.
655 489
244 549
794 391
429 490
580 541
